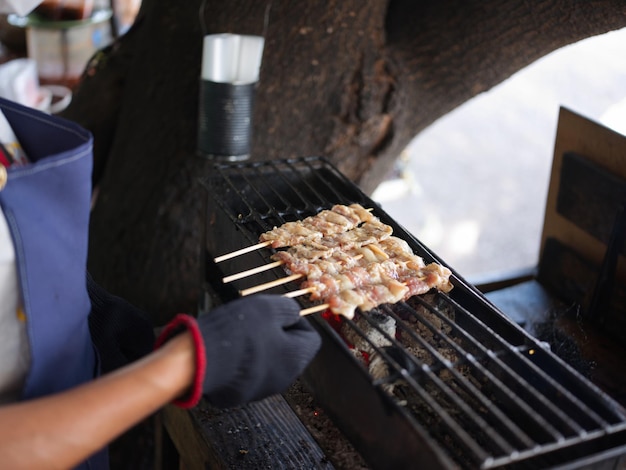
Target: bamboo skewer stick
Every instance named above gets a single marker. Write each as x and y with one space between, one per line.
314 309
375 248
299 292
250 272
269 285
242 251
265 267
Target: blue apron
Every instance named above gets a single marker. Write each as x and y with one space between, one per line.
46 204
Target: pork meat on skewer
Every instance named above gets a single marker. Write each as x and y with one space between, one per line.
366 298
325 247
345 279
350 260
418 281
336 220
295 260
314 269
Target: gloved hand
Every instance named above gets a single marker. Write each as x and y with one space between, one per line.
121 332
247 349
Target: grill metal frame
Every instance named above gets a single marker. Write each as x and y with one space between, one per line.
484 393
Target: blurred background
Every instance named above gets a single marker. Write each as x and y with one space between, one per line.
43 52
473 186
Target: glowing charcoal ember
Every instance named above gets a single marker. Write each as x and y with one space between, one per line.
375 336
374 332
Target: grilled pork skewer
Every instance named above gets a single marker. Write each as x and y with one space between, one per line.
350 260
366 298
337 220
313 269
357 277
386 272
296 266
376 274
326 247
328 222
371 264
345 299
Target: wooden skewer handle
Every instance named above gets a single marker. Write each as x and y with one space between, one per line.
250 272
314 309
248 249
299 292
269 285
241 251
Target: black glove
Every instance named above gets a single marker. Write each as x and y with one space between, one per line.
253 347
121 332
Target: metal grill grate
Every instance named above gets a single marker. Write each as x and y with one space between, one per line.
472 388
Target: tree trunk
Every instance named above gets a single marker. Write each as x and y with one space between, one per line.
349 80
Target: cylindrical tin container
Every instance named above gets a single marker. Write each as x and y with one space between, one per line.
230 72
225 119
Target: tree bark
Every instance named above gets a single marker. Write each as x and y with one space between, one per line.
349 80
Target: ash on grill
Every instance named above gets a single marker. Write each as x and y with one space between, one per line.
376 338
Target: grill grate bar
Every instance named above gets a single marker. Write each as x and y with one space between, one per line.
478 453
569 404
257 203
277 197
466 418
301 203
492 437
487 393
494 355
270 206
542 428
236 214
452 428
263 201
471 430
493 412
329 193
500 462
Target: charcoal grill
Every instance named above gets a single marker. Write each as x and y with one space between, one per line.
461 386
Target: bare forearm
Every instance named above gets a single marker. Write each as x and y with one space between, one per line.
61 430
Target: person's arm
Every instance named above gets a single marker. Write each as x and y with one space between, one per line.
239 352
61 430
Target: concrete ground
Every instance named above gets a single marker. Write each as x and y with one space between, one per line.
472 187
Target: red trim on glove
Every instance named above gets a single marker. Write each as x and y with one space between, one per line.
180 323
